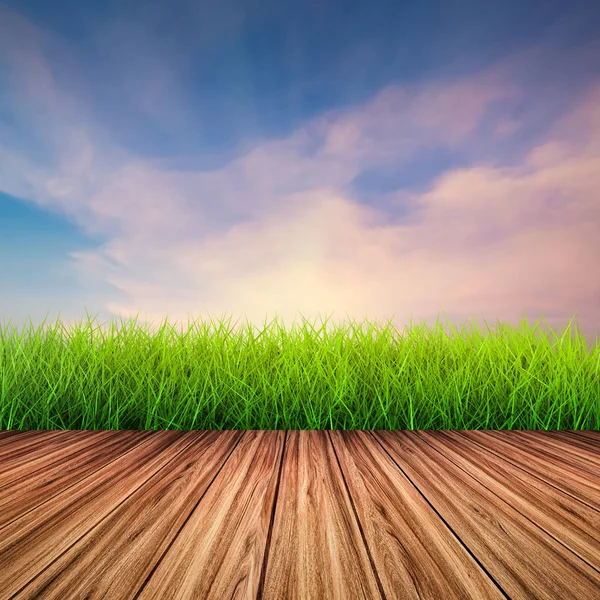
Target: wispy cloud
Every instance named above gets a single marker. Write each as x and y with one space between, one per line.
282 227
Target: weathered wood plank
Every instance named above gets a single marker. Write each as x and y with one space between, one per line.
417 555
522 558
141 529
316 549
219 551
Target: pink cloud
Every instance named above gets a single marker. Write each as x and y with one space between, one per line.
278 231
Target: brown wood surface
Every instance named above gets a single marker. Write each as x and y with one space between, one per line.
300 515
562 474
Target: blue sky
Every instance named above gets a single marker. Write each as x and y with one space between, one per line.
367 160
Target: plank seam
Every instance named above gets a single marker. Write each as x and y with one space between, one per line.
468 550
107 516
161 558
507 459
507 503
362 533
263 573
62 491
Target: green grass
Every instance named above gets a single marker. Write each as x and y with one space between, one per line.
87 377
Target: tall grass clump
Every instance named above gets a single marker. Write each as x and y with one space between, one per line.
306 378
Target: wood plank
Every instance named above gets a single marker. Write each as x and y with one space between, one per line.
5 434
316 549
57 450
522 558
37 486
325 515
571 522
581 443
219 551
556 448
139 532
417 555
585 443
23 445
30 543
571 480
592 437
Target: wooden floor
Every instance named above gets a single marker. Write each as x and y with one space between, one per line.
299 515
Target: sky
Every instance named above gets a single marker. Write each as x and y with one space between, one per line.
383 160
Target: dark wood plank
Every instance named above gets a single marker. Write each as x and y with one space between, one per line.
522 558
134 537
38 485
5 434
569 478
571 522
30 543
219 551
24 445
592 438
416 555
316 549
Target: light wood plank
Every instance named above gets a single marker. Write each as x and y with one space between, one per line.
219 552
316 550
417 556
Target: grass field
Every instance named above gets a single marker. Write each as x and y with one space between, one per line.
352 377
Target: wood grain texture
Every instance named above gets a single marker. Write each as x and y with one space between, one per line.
521 557
556 448
30 543
317 550
232 523
566 519
143 527
568 477
592 437
15 451
277 515
413 549
44 477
